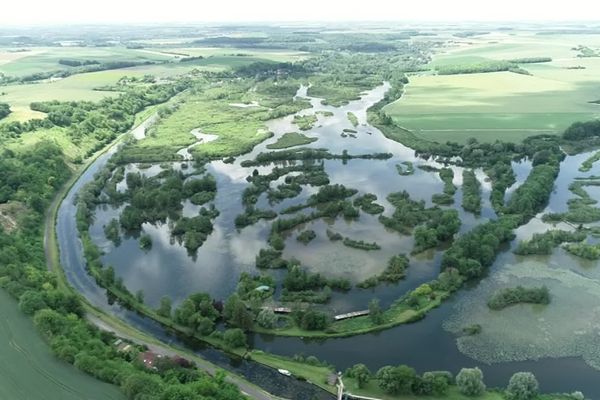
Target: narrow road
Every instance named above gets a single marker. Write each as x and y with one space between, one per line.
245 387
53 263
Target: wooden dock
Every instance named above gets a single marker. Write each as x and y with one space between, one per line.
279 310
352 314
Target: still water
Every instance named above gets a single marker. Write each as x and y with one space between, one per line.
168 269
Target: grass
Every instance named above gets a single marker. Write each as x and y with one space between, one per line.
291 139
57 135
373 390
314 374
30 371
398 314
587 164
81 86
501 105
238 129
212 110
73 88
489 106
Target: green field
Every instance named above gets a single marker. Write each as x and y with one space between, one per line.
82 86
46 59
73 88
29 371
501 105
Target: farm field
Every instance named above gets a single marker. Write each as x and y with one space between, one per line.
84 86
257 210
503 105
30 371
46 59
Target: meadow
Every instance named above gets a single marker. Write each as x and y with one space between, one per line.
30 371
501 105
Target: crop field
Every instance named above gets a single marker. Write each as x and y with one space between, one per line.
502 105
30 371
84 86
72 88
47 59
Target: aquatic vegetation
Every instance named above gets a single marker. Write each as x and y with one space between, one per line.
477 249
440 228
291 139
305 122
367 203
584 250
506 297
145 242
352 118
306 236
471 200
587 164
580 209
408 214
360 244
544 243
252 215
334 236
530 331
408 168
111 231
309 154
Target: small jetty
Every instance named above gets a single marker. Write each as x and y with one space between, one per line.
279 310
352 314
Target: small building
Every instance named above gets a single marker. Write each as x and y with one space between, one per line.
149 359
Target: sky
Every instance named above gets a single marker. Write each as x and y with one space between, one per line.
36 12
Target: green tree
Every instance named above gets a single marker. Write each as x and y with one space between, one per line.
164 310
522 386
139 384
313 320
267 318
361 374
396 380
437 382
470 382
31 301
237 314
234 338
375 312
139 296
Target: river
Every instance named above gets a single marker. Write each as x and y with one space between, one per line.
168 269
